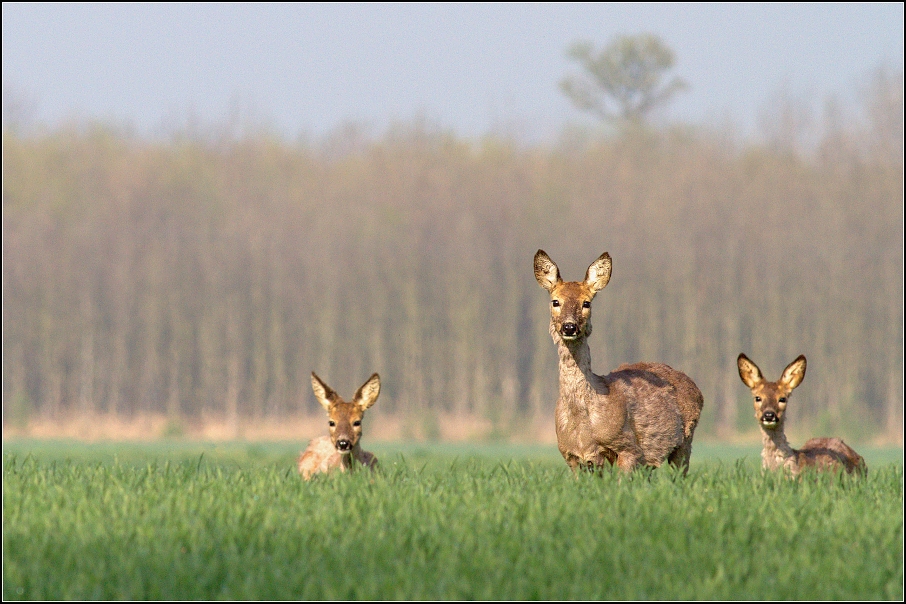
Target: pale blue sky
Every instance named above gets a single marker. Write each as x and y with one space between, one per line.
307 68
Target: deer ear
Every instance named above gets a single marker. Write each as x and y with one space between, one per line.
322 391
546 272
368 393
794 373
598 274
748 371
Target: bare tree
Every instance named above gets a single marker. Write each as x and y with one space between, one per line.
207 278
883 99
623 82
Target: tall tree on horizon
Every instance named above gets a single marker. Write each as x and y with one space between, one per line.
623 82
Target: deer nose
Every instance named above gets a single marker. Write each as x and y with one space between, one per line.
769 417
569 329
344 445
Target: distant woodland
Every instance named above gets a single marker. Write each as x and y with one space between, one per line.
208 273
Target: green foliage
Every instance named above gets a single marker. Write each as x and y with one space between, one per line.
625 80
484 526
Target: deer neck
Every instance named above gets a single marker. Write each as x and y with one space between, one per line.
575 368
350 459
776 449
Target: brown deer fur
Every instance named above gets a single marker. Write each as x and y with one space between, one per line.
340 450
770 399
639 415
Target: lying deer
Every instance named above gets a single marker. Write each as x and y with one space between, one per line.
341 449
770 410
639 415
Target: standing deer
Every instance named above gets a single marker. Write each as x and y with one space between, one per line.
770 410
639 415
341 449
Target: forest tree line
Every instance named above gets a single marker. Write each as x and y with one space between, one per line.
210 275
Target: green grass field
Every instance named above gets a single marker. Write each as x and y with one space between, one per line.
233 521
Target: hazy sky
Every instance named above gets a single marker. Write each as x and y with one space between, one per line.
307 68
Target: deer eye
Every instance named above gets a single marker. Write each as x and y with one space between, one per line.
331 423
782 399
586 304
757 399
555 302
357 423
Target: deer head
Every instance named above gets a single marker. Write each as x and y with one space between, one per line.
345 419
770 398
571 300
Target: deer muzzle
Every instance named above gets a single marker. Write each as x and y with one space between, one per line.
569 331
769 419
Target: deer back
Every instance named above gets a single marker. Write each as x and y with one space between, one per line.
829 452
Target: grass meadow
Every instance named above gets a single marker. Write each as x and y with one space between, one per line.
178 520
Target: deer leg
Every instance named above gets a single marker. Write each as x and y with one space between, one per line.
680 457
627 461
